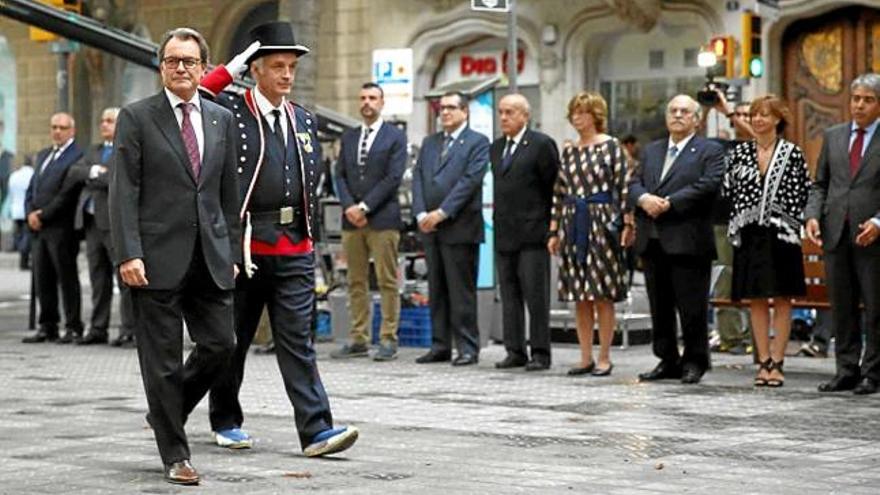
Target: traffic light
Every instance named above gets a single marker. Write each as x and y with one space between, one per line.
723 47
752 58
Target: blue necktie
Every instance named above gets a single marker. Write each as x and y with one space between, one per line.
105 153
508 156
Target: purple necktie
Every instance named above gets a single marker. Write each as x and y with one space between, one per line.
189 139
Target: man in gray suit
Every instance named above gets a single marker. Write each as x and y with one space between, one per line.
176 239
843 216
447 204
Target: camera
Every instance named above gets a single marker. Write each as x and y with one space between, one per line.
707 96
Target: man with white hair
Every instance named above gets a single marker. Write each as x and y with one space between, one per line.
843 216
673 193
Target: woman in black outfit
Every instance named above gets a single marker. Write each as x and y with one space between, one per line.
767 182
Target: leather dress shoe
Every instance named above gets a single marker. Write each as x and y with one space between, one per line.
866 386
511 361
92 338
70 338
538 364
603 371
433 356
181 473
691 374
123 341
839 383
660 372
465 360
578 371
41 336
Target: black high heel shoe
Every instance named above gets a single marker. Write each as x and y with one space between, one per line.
776 382
603 371
766 365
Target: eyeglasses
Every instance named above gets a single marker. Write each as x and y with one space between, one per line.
449 108
59 127
174 62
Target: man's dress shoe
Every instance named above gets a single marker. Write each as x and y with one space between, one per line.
465 360
691 374
41 336
511 361
70 338
433 356
538 365
123 341
181 473
660 372
92 338
839 383
866 386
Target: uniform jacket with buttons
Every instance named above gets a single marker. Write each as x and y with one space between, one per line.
250 145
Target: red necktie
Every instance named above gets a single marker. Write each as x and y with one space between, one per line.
855 152
189 139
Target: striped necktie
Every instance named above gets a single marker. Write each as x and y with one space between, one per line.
362 151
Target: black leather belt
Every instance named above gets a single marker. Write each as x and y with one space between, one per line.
281 216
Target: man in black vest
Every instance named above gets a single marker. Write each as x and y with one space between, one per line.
525 163
279 160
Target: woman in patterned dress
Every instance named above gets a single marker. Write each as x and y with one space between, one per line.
588 229
768 184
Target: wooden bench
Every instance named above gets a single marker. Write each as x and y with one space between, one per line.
814 276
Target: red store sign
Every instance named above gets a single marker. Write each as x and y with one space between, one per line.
487 64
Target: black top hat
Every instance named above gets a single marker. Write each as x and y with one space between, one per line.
275 37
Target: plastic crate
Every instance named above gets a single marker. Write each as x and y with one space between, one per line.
323 328
414 329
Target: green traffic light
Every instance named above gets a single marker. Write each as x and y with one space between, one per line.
756 67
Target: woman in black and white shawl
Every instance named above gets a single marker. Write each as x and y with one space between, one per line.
767 182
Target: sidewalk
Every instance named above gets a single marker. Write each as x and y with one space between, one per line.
73 423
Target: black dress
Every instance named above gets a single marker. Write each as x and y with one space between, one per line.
764 266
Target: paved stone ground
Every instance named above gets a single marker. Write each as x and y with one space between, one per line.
73 423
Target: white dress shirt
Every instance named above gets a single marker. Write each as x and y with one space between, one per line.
18 184
266 108
55 153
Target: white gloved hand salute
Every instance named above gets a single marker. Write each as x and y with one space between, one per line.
238 64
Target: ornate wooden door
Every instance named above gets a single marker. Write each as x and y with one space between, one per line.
822 56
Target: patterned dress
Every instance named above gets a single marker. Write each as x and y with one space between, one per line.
589 198
765 221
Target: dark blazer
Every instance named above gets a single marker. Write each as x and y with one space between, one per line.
454 185
836 195
377 187
524 191
48 191
690 186
158 209
96 188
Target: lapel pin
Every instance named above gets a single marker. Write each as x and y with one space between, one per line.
693 150
213 122
525 143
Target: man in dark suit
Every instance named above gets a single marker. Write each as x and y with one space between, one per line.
176 238
371 163
279 162
525 163
673 191
447 204
93 218
843 216
50 212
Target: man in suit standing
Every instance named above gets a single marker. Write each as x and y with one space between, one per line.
279 163
176 239
843 216
93 218
525 163
673 191
447 204
371 163
50 212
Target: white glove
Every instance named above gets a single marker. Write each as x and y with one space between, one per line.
237 65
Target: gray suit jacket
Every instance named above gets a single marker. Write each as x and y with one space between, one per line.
836 195
158 209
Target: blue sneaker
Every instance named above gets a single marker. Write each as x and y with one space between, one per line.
233 438
332 441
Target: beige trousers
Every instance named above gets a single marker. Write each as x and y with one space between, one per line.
381 245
